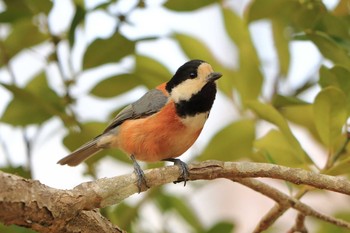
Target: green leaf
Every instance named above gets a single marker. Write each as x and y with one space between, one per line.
103 51
40 87
49 100
19 171
222 227
10 17
150 72
19 40
184 5
275 147
307 15
296 111
330 48
13 4
226 83
24 109
299 15
304 87
24 9
281 38
341 167
15 229
33 104
325 227
243 40
102 6
338 77
15 10
280 101
123 215
330 114
342 8
270 114
249 78
301 114
260 9
336 27
78 18
196 49
39 6
169 202
116 85
79 3
234 142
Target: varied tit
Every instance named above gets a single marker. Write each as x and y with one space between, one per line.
162 124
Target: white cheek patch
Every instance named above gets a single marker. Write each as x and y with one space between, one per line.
189 87
186 89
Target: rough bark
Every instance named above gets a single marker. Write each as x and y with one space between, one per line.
31 204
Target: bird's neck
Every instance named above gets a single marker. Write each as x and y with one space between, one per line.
199 103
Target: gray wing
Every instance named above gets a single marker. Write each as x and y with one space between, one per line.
148 104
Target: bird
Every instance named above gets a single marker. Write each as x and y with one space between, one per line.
161 125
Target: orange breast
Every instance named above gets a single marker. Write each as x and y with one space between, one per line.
157 137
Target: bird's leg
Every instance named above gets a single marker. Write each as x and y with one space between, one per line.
141 179
184 173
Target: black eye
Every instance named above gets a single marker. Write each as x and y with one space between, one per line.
193 74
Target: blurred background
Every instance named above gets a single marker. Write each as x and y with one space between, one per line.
68 66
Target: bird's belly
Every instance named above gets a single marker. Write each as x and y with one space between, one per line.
159 136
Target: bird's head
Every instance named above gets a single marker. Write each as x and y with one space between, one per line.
190 79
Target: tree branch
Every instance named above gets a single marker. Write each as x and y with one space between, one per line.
30 204
284 200
299 225
47 209
278 210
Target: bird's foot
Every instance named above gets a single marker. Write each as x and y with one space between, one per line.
141 179
184 171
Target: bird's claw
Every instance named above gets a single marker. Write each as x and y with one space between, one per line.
141 179
184 170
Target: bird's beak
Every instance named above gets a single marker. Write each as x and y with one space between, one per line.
213 76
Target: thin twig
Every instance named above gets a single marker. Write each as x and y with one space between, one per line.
277 211
284 199
299 225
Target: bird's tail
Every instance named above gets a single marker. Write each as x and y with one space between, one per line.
79 155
